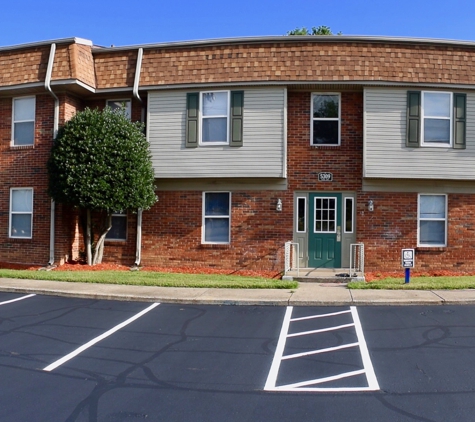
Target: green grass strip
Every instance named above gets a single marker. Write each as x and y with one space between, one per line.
418 283
149 278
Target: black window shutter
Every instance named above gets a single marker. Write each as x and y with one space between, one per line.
460 105
413 138
237 107
192 119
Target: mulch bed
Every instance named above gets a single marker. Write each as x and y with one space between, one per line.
80 266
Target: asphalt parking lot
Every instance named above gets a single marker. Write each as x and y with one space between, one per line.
64 359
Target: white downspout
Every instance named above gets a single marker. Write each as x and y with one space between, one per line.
138 69
138 247
49 72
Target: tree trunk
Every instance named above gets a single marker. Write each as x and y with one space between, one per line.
88 237
99 252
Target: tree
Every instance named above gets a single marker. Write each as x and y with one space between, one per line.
320 30
100 161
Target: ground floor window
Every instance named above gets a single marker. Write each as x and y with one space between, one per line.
21 212
216 217
432 220
118 230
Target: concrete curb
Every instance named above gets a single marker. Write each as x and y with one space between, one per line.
308 294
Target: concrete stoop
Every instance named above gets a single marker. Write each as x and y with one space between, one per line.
323 275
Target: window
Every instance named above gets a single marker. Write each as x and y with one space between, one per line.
216 217
214 118
118 104
21 212
23 132
432 220
325 129
436 119
301 215
349 212
118 230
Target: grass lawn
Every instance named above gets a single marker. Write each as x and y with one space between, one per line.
152 278
418 283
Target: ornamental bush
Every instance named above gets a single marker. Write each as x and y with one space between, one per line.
100 161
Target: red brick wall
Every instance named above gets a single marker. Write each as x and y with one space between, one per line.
172 228
305 161
26 167
172 232
392 226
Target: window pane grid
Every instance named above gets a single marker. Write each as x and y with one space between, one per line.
325 215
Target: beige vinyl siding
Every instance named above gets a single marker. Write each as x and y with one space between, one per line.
385 151
262 153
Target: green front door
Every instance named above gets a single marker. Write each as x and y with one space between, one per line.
324 237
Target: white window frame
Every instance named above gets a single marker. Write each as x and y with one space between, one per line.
345 198
450 118
128 105
204 217
14 121
419 219
315 219
119 239
297 215
11 213
228 112
332 119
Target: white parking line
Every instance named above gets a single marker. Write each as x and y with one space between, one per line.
76 352
309 385
17 299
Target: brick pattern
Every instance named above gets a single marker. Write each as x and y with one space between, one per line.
172 233
172 228
26 167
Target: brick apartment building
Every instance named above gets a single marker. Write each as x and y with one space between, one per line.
323 141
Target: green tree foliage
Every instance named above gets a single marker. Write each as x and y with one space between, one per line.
100 161
319 30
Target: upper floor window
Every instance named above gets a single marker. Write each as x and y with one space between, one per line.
325 128
119 104
436 119
432 218
214 118
23 132
21 212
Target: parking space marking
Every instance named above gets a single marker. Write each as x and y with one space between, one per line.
17 299
80 349
279 356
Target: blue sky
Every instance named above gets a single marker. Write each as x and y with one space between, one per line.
121 22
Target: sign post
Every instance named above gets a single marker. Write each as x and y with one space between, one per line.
408 261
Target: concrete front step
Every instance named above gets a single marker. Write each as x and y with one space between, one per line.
323 275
